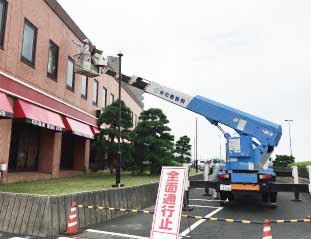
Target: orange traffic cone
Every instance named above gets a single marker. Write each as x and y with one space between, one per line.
72 225
267 233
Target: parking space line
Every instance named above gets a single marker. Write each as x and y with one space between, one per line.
206 200
198 223
116 234
203 206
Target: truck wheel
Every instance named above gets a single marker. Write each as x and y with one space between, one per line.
265 196
223 195
273 197
230 196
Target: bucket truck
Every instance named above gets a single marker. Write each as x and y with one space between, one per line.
246 153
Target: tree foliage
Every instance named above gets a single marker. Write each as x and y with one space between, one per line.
153 142
283 160
106 143
183 149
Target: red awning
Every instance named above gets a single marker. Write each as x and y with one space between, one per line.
78 128
38 116
95 130
5 107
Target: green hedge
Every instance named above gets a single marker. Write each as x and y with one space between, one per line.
300 164
302 170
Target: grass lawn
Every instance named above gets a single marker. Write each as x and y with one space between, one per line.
88 182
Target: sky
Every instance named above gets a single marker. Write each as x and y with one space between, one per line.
251 55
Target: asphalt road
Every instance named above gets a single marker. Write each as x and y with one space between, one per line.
138 225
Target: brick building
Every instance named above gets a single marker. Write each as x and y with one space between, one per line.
47 112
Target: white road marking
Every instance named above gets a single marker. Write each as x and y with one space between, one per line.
26 237
206 200
198 223
184 234
203 206
17 237
117 234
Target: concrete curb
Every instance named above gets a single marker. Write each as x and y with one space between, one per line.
44 216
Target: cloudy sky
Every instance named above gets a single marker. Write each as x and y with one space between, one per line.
251 55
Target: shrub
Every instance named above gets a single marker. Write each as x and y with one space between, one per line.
173 163
300 164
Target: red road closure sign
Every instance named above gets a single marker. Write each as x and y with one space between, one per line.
167 213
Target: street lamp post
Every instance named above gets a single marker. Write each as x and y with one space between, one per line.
118 166
290 139
196 145
194 152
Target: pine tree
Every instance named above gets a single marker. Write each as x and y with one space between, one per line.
183 149
153 142
106 143
283 160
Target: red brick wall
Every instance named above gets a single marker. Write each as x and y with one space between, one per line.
50 27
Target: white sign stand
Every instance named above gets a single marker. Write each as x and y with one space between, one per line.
167 212
206 171
295 174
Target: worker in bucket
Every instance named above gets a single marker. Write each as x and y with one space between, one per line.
85 54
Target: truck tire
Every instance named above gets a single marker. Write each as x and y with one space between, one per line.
230 196
265 196
223 195
273 197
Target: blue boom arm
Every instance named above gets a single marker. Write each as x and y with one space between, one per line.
257 137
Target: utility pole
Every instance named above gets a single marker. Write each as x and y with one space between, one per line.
196 145
118 166
290 138
194 151
219 146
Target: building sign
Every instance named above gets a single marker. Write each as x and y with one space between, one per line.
168 94
167 213
45 125
6 114
2 113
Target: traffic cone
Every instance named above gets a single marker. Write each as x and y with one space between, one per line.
267 233
72 224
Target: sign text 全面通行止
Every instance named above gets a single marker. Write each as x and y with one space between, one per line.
169 204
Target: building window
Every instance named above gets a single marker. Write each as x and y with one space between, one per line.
24 148
95 92
70 83
53 60
3 10
29 43
111 98
84 83
104 100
